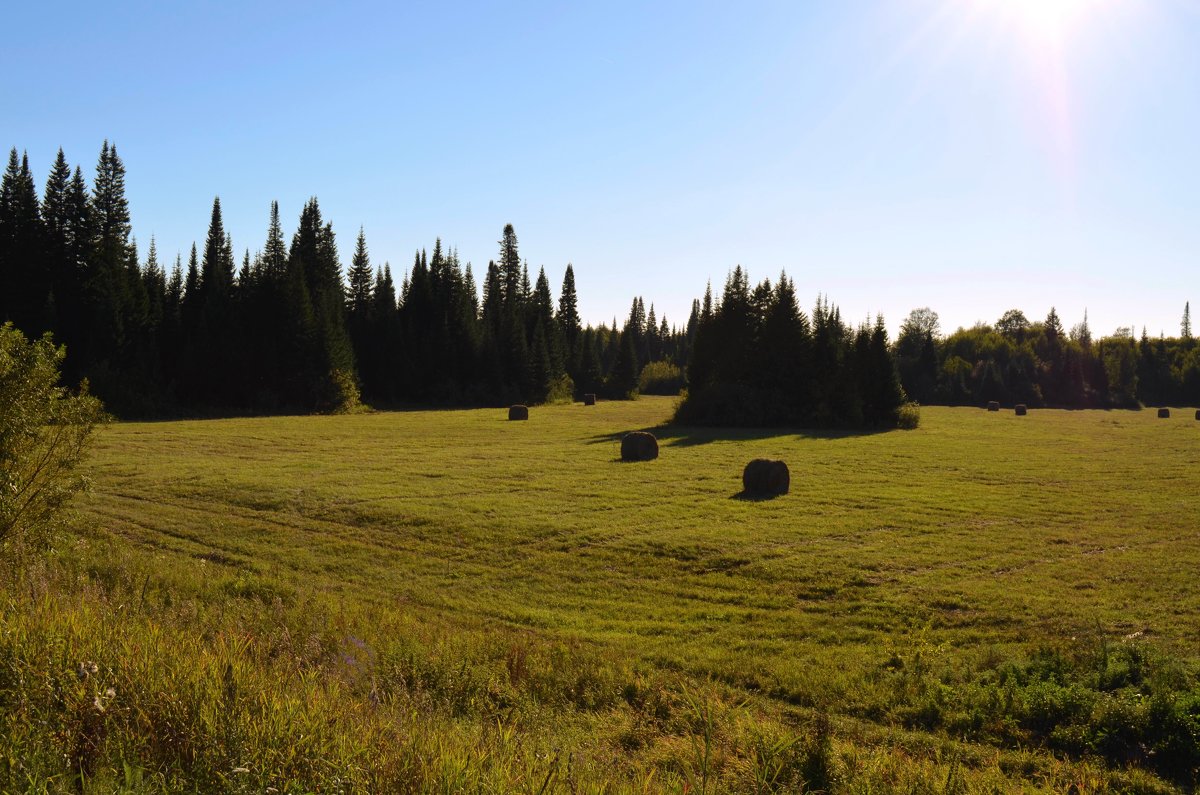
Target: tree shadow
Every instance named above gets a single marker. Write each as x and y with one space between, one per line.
690 436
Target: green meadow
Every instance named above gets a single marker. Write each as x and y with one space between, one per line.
446 601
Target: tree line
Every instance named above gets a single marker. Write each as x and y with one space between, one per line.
283 330
1040 363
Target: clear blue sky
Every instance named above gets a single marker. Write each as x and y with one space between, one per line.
967 155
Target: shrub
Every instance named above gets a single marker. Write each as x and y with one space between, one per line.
44 432
660 378
562 390
908 416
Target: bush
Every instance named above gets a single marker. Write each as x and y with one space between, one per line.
44 432
562 390
660 378
343 396
908 416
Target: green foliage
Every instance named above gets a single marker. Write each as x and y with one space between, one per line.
562 390
660 378
908 417
44 432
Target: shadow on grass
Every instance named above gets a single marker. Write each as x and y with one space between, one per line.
689 436
745 496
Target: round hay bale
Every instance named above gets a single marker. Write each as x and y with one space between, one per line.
763 477
1164 414
993 405
589 399
518 412
639 446
1020 409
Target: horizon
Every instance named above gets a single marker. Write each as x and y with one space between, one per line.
961 156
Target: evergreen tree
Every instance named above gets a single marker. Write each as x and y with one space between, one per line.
213 342
359 299
783 351
590 375
569 324
378 367
60 271
106 280
330 378
1185 325
360 278
623 380
542 304
24 283
510 265
882 394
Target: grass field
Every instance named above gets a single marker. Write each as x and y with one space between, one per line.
447 601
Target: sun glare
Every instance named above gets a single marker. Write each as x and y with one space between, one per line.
1043 20
1052 18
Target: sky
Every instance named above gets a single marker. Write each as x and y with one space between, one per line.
971 156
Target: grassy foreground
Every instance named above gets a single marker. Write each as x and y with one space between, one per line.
447 601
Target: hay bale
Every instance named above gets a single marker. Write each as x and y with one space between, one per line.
518 412
763 477
993 405
589 399
1020 409
1164 414
639 446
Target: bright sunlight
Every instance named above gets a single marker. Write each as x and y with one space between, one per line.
1046 21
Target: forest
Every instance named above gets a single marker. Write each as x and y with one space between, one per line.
287 329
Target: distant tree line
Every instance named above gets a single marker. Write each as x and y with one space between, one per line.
1040 363
283 330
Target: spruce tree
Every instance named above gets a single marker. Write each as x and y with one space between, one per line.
215 371
568 312
56 245
883 395
24 283
331 374
510 265
360 277
590 375
623 380
106 280
358 299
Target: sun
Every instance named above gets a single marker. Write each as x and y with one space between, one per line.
1049 17
1043 20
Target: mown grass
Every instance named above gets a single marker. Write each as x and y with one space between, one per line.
447 601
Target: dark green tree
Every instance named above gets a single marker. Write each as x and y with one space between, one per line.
25 286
